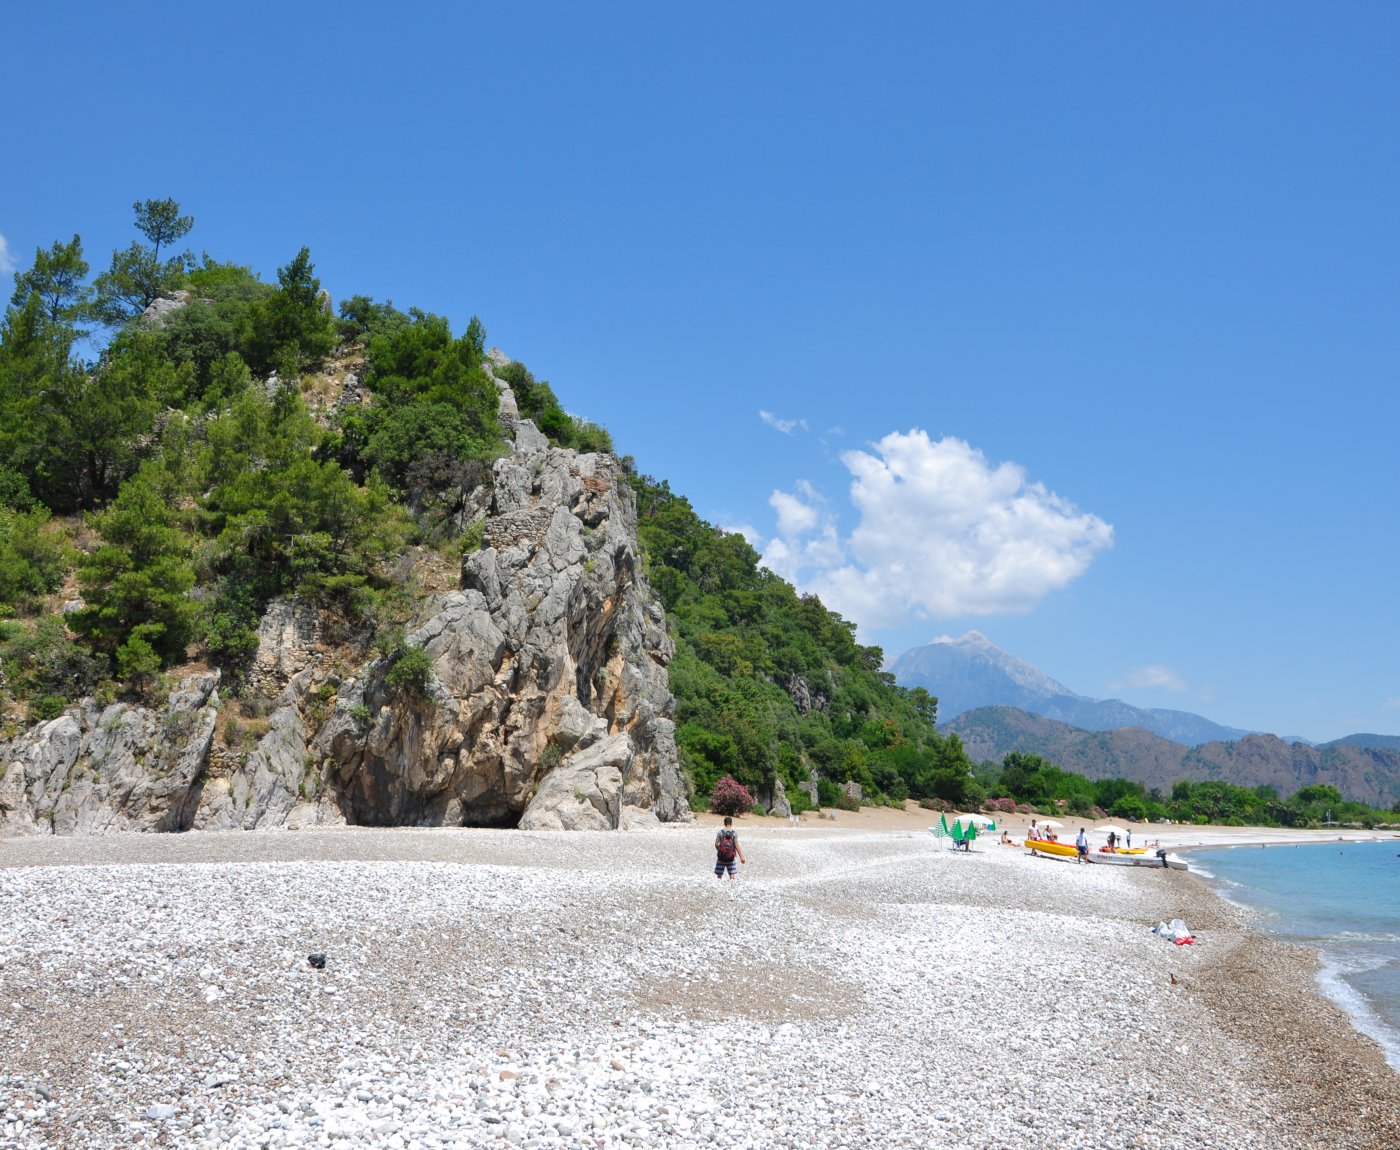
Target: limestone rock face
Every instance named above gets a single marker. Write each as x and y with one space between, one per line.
122 767
544 702
548 673
161 309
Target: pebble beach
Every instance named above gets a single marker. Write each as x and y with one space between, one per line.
857 986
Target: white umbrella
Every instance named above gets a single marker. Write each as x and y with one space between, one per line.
1050 823
1109 828
980 820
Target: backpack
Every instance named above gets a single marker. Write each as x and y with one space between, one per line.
726 846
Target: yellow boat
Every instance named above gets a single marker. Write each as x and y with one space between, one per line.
1046 847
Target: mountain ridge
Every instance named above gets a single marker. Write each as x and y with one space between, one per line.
972 672
1367 774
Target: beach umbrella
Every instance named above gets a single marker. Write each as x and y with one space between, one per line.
977 820
1109 828
1051 823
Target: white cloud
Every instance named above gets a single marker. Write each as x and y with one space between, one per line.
942 533
1155 676
747 530
794 516
7 259
786 426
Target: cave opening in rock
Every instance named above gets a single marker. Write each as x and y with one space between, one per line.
492 820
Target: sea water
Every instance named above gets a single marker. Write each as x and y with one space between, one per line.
1342 899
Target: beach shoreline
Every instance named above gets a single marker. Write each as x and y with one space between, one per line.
859 985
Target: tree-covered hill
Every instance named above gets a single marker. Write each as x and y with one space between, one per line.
771 684
182 443
1362 773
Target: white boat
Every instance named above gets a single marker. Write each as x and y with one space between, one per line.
1158 858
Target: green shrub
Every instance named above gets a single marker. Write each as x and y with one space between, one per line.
473 536
33 557
47 707
411 671
47 662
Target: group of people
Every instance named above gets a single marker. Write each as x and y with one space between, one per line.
1045 832
727 849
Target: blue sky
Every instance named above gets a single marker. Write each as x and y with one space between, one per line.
1073 324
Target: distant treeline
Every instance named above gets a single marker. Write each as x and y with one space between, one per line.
1030 779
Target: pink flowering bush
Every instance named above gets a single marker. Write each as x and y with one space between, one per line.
1004 805
730 797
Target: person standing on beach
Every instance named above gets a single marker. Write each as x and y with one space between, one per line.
727 848
1082 844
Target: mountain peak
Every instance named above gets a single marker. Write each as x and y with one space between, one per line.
971 672
971 639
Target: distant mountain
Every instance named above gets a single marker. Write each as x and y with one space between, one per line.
1373 742
1370 774
972 672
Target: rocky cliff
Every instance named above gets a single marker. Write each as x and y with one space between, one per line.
541 697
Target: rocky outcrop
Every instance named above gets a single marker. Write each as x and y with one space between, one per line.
536 694
163 308
121 767
547 674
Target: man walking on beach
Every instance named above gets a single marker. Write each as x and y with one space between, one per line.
1082 843
726 848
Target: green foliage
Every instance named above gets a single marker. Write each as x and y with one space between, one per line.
537 402
75 432
45 662
211 497
135 585
33 557
283 520
411 671
432 429
472 537
1031 779
138 276
228 626
427 446
421 361
362 319
213 336
56 280
14 491
290 328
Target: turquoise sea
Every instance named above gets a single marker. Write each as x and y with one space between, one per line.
1341 898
